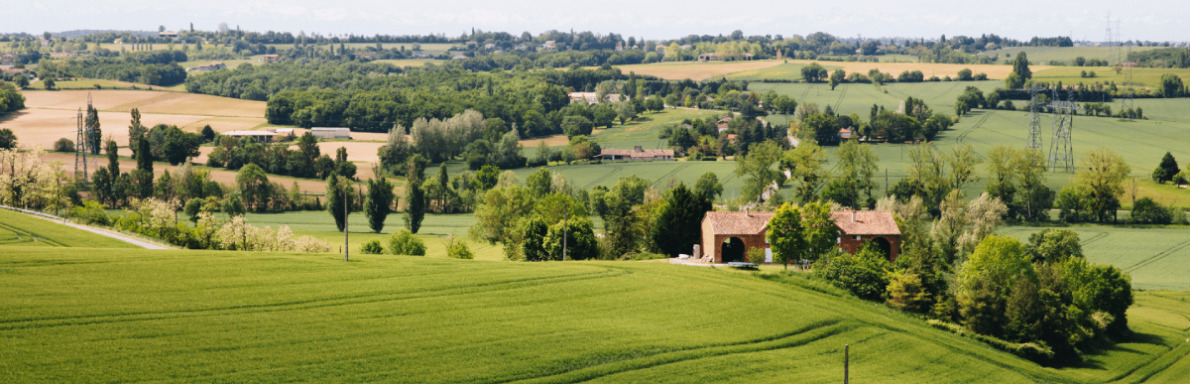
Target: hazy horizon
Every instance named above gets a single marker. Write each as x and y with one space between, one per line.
1157 21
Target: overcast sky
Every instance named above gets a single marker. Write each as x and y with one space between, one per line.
1084 20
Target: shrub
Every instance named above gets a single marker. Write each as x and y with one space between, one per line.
459 250
864 273
91 212
372 248
1147 211
404 243
755 255
64 145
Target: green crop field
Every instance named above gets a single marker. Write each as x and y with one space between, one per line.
1142 77
1043 55
645 129
785 71
1157 258
436 231
141 315
19 229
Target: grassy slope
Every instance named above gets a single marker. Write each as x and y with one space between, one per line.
19 229
1043 55
1142 77
227 316
1157 258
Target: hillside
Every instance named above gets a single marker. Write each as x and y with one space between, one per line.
119 315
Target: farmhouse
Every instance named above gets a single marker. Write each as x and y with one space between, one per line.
7 59
272 58
258 136
708 57
331 133
636 154
208 67
727 236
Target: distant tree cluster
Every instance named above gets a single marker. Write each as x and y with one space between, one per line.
11 99
152 68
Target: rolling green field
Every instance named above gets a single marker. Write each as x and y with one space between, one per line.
118 315
645 129
785 71
436 231
1141 77
19 229
1157 258
1043 55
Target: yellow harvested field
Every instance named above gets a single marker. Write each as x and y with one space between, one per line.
148 102
695 70
928 69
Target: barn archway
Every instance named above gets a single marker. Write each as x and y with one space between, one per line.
732 250
884 246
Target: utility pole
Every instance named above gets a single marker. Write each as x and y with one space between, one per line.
564 234
846 362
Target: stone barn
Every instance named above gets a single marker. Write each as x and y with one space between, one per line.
727 236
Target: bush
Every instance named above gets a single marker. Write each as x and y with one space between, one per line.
1147 211
372 248
91 212
459 250
755 255
64 145
404 243
864 273
1031 351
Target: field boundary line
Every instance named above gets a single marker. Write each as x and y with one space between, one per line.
143 243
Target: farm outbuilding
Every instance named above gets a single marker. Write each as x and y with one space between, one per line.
636 154
259 136
331 133
727 236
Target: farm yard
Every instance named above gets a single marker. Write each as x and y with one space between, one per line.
266 317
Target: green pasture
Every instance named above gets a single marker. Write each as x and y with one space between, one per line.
1157 258
1043 55
185 316
787 71
437 231
91 84
23 230
1141 77
645 129
858 98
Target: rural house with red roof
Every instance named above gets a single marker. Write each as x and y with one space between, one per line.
727 236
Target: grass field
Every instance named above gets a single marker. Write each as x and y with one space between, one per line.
91 85
645 129
784 71
123 315
19 229
1043 55
1141 77
694 70
1157 258
436 231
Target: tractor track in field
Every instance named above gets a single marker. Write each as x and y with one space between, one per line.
797 337
1158 256
1099 235
461 288
24 237
614 169
842 95
982 119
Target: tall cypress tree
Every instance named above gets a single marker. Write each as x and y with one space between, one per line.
415 195
379 203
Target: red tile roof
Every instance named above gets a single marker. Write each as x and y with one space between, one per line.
738 223
638 153
751 223
865 222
